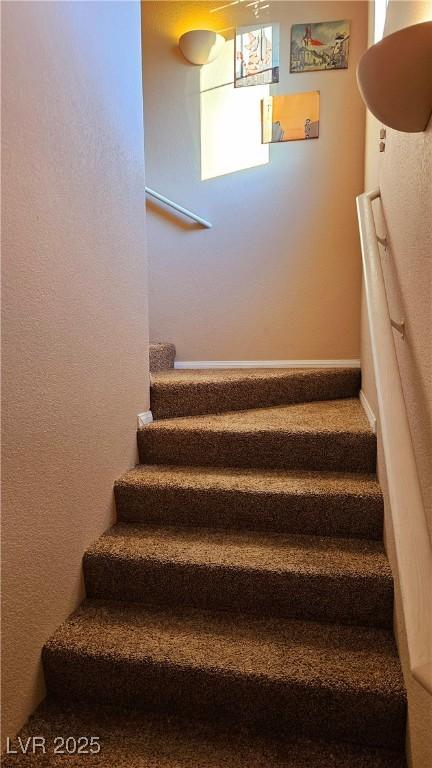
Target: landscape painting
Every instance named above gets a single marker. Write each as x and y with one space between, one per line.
324 45
256 55
291 117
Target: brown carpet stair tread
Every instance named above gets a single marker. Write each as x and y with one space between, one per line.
346 580
187 377
317 503
331 416
311 654
134 740
324 435
276 676
246 550
189 392
244 480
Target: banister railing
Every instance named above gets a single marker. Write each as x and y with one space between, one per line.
185 211
412 542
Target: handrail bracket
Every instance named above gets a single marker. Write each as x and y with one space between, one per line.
399 327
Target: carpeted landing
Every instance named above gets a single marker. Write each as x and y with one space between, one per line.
240 611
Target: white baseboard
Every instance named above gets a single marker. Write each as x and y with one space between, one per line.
368 411
192 364
144 418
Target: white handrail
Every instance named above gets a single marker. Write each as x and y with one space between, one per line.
179 208
412 542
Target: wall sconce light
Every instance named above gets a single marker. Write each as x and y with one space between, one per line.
200 46
394 78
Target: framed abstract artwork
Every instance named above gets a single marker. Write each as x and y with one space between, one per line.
315 47
256 55
291 117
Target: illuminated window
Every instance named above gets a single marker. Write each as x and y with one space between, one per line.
230 120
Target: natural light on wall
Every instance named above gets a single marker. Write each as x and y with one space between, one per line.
380 17
230 120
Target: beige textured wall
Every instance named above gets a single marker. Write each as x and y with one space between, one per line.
404 173
74 302
278 277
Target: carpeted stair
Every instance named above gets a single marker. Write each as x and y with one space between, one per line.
297 678
332 436
129 740
194 392
265 574
316 503
161 356
239 614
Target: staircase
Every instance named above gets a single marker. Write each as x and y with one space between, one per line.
239 614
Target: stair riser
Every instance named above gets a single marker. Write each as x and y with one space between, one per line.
170 400
340 452
268 706
344 599
343 515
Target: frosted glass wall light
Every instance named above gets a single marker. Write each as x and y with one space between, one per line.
200 46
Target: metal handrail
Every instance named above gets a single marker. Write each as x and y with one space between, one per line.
412 542
185 211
